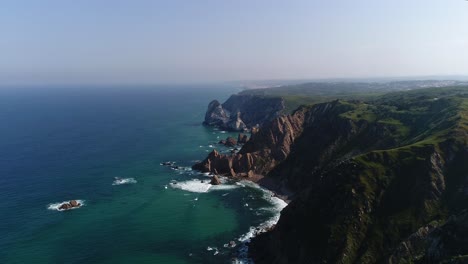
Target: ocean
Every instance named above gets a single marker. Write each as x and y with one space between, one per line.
104 146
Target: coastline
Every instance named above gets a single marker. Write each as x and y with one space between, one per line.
270 184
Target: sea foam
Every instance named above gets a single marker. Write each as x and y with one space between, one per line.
276 206
120 181
198 186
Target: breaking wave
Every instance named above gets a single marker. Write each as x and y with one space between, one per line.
201 186
120 181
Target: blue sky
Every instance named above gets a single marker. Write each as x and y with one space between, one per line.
143 41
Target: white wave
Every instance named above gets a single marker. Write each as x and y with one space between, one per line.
276 206
194 185
55 206
240 184
198 186
120 181
222 187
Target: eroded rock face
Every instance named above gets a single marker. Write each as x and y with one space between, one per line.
271 144
236 123
242 138
435 244
215 180
230 142
242 112
228 165
215 115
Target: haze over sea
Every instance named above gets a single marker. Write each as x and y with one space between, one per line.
63 143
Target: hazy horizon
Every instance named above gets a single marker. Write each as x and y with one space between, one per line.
153 42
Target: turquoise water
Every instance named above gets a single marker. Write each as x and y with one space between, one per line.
58 144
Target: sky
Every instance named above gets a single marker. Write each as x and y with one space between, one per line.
183 41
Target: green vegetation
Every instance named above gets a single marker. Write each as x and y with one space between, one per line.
320 92
376 169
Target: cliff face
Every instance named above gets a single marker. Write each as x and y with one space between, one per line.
242 112
286 148
262 152
361 209
445 243
366 184
375 182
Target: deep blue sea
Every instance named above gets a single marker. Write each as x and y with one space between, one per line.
63 143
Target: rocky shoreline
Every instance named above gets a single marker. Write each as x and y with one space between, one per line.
363 179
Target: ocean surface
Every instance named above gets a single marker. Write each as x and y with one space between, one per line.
104 146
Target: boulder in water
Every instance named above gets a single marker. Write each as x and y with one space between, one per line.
69 205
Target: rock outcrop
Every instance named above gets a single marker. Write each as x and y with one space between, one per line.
242 112
230 142
215 115
227 165
447 243
69 205
215 180
242 138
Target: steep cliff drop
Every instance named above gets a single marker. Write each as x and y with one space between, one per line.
243 112
383 181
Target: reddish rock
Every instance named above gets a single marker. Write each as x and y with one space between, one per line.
230 142
65 206
74 203
69 205
242 139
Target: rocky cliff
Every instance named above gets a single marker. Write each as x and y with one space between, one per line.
375 181
242 112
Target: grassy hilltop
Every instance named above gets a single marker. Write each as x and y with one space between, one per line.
370 173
